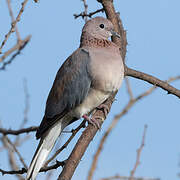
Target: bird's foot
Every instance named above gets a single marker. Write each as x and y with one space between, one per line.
92 121
105 109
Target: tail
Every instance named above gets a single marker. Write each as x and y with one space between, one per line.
44 148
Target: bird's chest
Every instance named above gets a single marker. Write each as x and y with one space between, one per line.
107 69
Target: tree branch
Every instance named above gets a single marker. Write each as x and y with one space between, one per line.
44 169
17 132
152 80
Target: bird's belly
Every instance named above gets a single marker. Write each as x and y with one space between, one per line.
111 80
93 100
108 77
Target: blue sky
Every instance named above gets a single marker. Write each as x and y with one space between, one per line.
153 47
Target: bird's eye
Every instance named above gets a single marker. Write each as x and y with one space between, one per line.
101 26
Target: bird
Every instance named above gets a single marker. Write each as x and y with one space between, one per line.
86 79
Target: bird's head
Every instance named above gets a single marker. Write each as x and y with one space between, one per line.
99 28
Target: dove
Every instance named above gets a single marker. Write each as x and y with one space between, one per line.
85 80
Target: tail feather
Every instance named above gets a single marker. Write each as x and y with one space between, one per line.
44 148
34 160
40 161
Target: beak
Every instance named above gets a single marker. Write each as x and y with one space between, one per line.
115 34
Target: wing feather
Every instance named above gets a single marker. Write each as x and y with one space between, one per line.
69 89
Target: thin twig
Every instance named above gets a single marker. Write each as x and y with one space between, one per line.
13 25
18 47
85 10
139 150
17 132
11 157
26 110
12 19
88 15
18 153
27 106
15 47
44 169
129 90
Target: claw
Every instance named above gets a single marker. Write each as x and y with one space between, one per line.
105 109
92 121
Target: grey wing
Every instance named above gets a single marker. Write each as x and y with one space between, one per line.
71 86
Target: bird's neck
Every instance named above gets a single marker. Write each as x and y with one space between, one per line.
90 41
